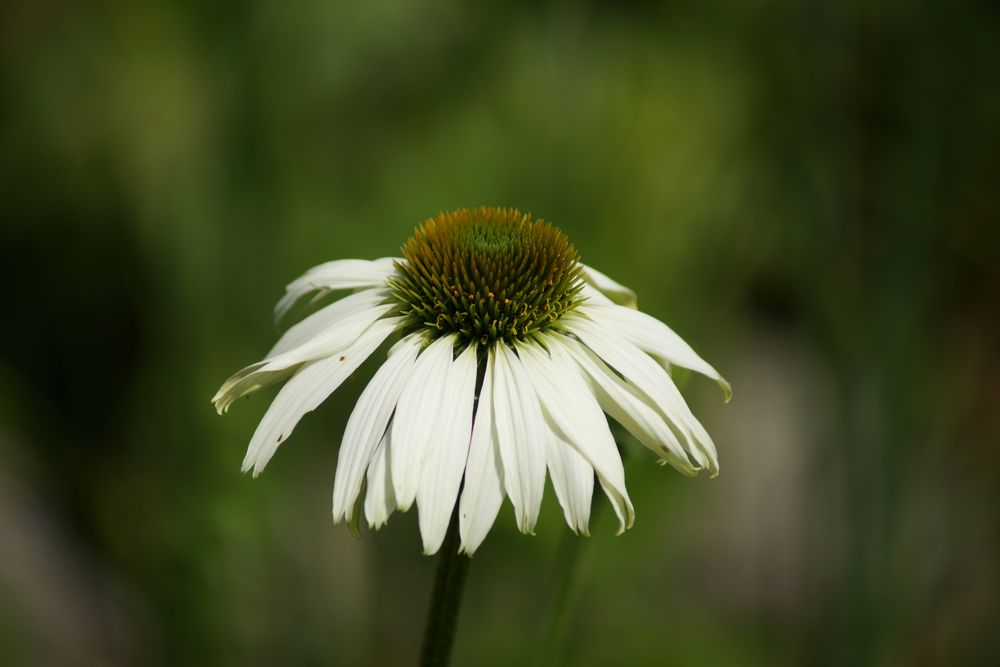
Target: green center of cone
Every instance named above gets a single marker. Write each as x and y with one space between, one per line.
488 274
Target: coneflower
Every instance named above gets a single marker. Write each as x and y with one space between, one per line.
508 353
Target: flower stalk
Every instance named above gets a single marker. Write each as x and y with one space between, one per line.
446 600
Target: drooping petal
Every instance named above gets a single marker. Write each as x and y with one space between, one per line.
573 413
416 424
520 428
626 405
483 491
326 344
613 290
641 371
653 337
573 480
326 317
336 275
309 387
380 501
444 463
367 424
246 381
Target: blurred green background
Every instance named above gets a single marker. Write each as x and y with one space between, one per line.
806 191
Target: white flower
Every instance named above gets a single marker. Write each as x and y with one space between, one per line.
510 353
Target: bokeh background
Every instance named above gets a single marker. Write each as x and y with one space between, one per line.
806 191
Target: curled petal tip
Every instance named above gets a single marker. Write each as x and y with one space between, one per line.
726 388
687 472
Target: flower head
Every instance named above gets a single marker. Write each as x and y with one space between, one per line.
486 276
510 351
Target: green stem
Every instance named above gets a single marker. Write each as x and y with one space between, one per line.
442 617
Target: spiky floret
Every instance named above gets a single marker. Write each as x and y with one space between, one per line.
487 274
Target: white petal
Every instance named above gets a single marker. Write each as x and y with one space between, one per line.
306 390
415 426
341 334
594 294
615 291
326 344
521 435
380 501
337 275
572 412
441 474
246 381
326 317
650 378
367 424
573 480
652 336
627 405
482 493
